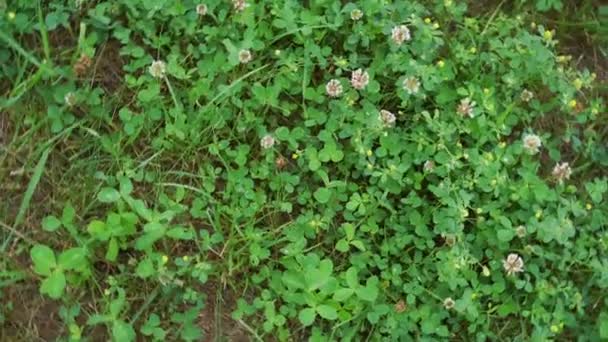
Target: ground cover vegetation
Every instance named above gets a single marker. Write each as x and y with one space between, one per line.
303 170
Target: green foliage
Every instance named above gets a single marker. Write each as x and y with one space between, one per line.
220 159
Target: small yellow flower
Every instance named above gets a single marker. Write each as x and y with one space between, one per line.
436 26
572 103
578 83
441 63
502 144
295 156
473 50
427 20
548 35
11 15
486 91
589 206
165 259
186 258
554 329
538 213
369 153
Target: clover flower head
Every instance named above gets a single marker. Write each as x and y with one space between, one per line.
428 166
532 143
70 99
465 108
333 88
513 264
245 56
449 303
561 171
356 14
400 34
411 85
359 79
267 141
387 118
201 9
526 95
158 69
239 5
520 231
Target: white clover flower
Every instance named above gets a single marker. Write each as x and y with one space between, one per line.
411 85
201 9
465 108
400 33
158 69
70 99
387 118
562 171
449 303
356 14
267 141
239 5
513 264
526 95
333 88
428 166
532 143
359 79
245 56
520 231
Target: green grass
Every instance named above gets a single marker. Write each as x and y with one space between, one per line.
166 220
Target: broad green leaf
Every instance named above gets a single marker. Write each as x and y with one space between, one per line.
44 259
54 284
50 223
112 252
322 195
122 331
327 312
145 268
343 294
108 195
180 233
505 235
342 246
317 278
73 258
307 316
153 232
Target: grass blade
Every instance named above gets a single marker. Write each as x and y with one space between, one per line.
31 187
